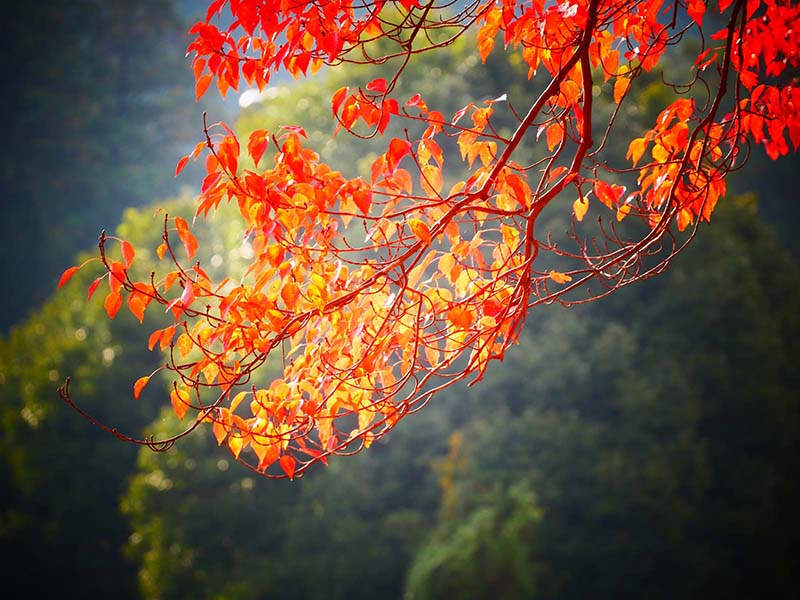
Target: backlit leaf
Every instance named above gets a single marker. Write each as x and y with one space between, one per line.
188 239
579 207
67 275
559 277
420 230
288 465
202 85
139 386
180 400
112 303
460 317
257 144
128 253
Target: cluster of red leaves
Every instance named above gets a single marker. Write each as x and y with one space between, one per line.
369 331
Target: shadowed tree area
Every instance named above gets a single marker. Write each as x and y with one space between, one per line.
102 104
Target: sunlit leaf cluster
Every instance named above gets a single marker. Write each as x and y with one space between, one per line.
378 290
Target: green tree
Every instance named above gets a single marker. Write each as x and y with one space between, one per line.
61 477
656 431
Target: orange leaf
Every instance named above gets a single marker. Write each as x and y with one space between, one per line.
636 149
579 207
554 135
180 402
201 86
153 339
290 292
257 144
559 277
128 253
189 241
420 230
112 303
139 385
220 433
67 275
137 303
621 86
235 443
460 317
166 337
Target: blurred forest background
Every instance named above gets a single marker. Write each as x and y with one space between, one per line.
644 446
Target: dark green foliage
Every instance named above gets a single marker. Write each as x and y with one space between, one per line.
99 107
61 478
658 430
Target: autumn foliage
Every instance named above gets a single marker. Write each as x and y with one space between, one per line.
379 290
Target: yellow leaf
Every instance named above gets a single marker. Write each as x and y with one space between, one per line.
446 264
554 135
237 399
220 433
636 149
510 236
559 277
579 207
235 443
185 345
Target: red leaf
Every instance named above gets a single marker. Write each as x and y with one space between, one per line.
608 194
67 275
181 163
377 85
415 100
93 287
696 10
338 98
188 294
397 150
363 199
288 464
